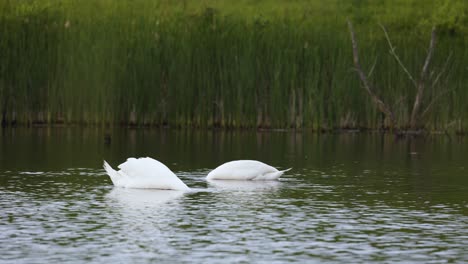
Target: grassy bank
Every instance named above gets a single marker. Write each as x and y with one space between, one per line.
216 63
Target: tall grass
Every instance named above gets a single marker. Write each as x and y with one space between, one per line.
221 64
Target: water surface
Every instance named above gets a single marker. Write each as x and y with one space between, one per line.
349 198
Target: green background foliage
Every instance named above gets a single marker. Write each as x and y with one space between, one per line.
226 63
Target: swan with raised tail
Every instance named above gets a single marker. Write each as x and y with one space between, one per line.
145 173
251 170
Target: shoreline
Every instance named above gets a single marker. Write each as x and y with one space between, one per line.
337 130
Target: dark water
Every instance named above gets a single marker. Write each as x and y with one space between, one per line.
348 199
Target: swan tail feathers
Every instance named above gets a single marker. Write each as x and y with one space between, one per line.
111 172
272 175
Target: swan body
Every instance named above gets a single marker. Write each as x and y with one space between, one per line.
145 173
245 170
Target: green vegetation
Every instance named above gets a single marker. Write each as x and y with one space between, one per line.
216 63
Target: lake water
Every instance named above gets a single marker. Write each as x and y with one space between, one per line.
349 198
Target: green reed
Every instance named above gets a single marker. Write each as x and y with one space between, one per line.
221 64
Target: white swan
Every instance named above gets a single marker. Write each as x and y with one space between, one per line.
144 173
245 170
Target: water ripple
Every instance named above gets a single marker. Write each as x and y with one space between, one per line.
75 216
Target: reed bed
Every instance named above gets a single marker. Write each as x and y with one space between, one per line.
271 64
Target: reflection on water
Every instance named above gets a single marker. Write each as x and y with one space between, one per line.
142 198
244 185
348 199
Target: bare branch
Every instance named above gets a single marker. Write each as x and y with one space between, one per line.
436 98
436 80
392 51
366 85
422 79
434 83
372 69
430 52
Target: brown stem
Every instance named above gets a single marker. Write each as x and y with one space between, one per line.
366 85
397 58
422 80
436 98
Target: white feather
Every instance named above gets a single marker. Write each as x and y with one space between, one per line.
245 170
145 173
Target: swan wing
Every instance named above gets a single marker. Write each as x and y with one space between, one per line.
145 168
150 173
241 170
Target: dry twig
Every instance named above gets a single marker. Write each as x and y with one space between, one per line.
366 84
